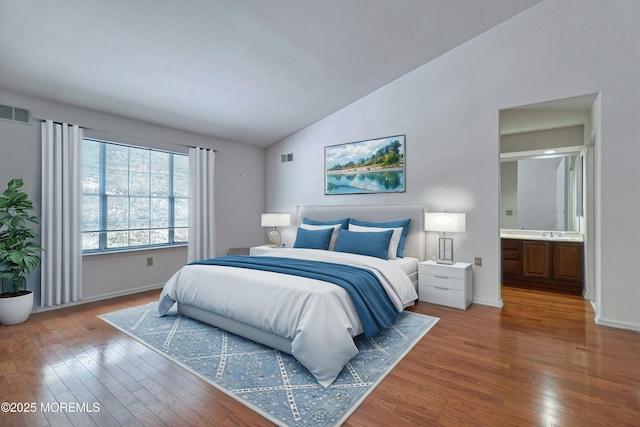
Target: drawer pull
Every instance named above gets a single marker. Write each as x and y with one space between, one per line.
442 277
442 289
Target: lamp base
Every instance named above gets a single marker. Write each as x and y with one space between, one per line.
274 239
445 251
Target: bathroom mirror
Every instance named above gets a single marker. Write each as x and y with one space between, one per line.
542 165
541 193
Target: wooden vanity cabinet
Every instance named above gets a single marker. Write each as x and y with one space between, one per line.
535 259
511 258
567 261
539 264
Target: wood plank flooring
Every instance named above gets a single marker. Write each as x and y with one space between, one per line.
539 361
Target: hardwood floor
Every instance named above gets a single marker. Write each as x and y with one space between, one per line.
540 360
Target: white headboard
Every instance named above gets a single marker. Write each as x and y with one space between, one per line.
414 245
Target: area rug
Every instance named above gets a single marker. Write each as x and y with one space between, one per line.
268 381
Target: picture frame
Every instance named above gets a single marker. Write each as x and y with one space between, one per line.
365 167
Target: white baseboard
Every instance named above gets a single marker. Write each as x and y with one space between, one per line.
40 309
617 324
490 303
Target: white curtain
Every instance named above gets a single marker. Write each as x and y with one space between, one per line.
61 224
201 204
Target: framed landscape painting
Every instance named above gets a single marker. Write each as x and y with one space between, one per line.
365 167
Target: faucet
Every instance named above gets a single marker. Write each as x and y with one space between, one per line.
551 234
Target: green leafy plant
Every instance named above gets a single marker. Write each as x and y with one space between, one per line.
19 255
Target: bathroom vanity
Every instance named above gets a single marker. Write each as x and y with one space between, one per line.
542 260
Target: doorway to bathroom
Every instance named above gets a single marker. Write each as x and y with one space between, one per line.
547 195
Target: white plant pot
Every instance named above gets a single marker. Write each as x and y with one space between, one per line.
14 310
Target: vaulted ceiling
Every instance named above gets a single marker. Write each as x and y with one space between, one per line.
252 71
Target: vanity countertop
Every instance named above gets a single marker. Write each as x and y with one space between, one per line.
552 236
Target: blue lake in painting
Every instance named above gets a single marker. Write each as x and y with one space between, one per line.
390 181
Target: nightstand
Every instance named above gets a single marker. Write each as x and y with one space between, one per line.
450 285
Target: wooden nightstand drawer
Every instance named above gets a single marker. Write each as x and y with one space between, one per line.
449 297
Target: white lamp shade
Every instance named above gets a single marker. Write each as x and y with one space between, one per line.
275 219
444 221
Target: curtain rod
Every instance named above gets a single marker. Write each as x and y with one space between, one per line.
211 149
44 120
99 130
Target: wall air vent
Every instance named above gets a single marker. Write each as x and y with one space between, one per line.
15 114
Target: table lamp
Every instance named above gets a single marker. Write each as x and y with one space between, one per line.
444 222
275 220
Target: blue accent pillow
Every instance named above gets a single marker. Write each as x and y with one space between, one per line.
344 222
374 244
404 223
313 239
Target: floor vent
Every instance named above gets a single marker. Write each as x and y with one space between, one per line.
15 114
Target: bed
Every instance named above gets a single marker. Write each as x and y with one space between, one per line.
308 317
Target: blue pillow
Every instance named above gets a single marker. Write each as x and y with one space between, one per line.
344 222
404 223
313 239
374 244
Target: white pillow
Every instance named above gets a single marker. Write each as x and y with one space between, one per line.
334 235
395 237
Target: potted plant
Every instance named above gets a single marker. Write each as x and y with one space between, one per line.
19 255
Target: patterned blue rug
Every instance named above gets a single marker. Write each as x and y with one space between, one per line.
272 383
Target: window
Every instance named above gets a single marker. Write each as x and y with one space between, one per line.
132 197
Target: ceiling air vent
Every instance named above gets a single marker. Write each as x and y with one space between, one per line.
15 114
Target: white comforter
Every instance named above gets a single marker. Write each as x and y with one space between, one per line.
319 317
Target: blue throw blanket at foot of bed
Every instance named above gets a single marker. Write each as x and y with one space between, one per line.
375 309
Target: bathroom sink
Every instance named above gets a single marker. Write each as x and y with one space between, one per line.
566 238
542 236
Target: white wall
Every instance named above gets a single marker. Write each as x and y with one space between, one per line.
569 136
509 197
449 110
124 272
239 189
